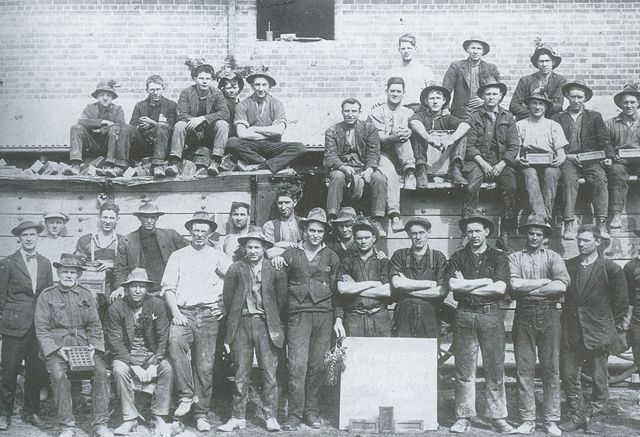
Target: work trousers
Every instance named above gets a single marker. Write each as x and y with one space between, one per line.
207 140
394 183
363 323
634 335
58 371
415 319
480 328
192 350
377 190
595 176
14 351
536 326
506 184
309 338
113 146
541 184
252 334
618 175
154 143
456 151
276 155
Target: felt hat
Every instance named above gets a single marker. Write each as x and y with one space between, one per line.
56 214
148 208
27 224
315 215
254 76
476 217
107 86
479 39
417 221
222 81
425 93
236 204
537 95
545 49
200 68
361 223
69 260
255 234
536 221
629 89
588 92
492 84
138 275
346 215
201 217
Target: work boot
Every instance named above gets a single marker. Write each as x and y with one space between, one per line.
127 427
552 429
422 178
184 407
501 426
616 221
202 424
67 432
396 224
312 420
113 171
213 169
410 180
35 420
233 424
272 424
456 176
461 426
572 426
601 224
102 431
291 424
4 423
158 171
526 427
72 170
570 229
376 222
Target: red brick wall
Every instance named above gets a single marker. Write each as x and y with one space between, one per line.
59 48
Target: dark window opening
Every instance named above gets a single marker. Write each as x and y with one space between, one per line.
305 18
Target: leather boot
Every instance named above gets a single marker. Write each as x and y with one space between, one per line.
422 179
456 176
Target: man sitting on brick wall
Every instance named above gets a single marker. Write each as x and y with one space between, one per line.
202 124
97 133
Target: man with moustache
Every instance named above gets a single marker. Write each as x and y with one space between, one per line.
23 276
478 276
192 286
239 226
283 230
539 279
254 293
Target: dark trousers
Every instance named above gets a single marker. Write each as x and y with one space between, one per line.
207 140
618 175
366 324
276 155
536 326
456 151
253 334
415 319
595 176
84 142
506 184
14 350
634 335
192 349
153 142
58 369
309 338
377 190
482 331
573 360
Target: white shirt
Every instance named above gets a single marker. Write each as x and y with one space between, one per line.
196 276
541 136
416 78
32 267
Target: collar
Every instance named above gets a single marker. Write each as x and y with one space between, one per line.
437 115
356 254
291 218
485 111
255 98
471 252
620 118
301 246
107 108
541 250
25 254
95 236
145 233
65 290
236 100
413 254
151 102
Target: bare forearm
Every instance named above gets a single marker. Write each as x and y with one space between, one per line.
172 302
468 285
460 132
428 293
405 285
356 287
497 288
383 290
550 289
269 131
526 285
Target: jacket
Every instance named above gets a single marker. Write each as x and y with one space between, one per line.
598 309
168 108
480 137
367 145
457 80
17 300
120 329
91 113
131 256
594 134
528 84
217 108
237 285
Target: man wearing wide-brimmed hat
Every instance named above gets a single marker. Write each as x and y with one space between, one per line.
539 279
23 276
138 332
463 78
624 130
192 286
478 275
341 238
586 132
545 80
254 294
202 124
538 134
311 270
148 247
260 122
432 117
97 133
66 316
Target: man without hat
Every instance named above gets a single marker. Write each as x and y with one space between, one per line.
254 293
417 283
311 271
260 121
23 276
97 133
66 316
202 124
363 288
51 243
231 86
238 227
586 132
624 130
192 286
147 247
463 78
416 76
539 278
284 230
492 148
432 116
538 134
478 275
138 331
544 81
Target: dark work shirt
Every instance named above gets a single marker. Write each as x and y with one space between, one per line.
492 264
583 275
154 263
575 140
632 273
336 245
154 110
432 266
202 107
437 122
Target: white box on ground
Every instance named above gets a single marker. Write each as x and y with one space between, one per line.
391 372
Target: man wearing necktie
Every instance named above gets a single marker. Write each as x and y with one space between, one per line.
23 275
